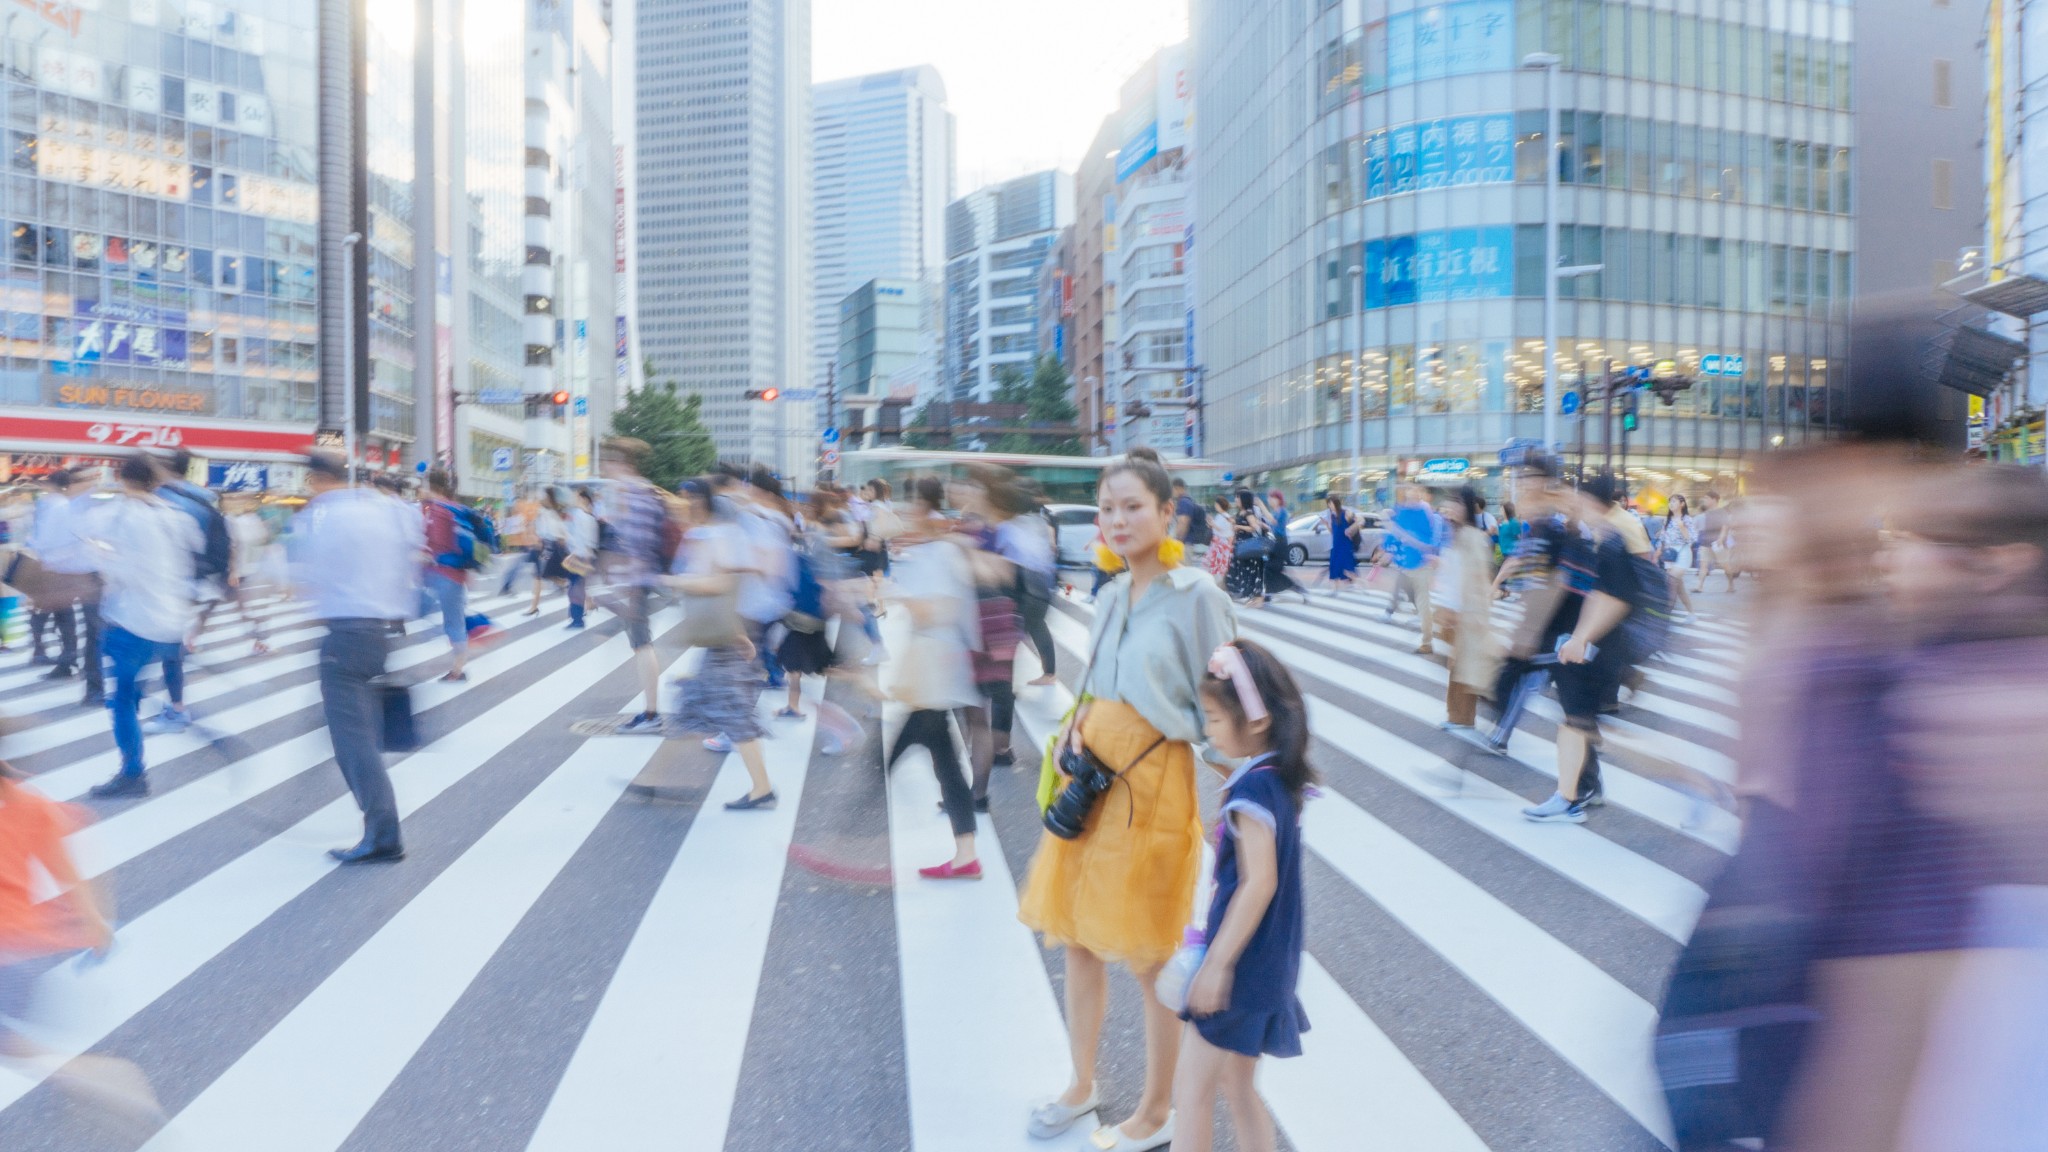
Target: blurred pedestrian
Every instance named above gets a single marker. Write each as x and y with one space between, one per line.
1221 538
635 558
74 594
521 532
1278 579
1250 542
143 549
722 698
804 648
1464 610
254 567
1121 889
1414 536
980 496
766 592
932 675
1716 538
355 554
1677 540
1343 529
448 566
551 536
580 561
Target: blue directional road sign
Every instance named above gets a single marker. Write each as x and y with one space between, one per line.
501 459
1569 403
1640 374
831 435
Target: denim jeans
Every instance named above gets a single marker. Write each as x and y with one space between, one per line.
130 654
449 595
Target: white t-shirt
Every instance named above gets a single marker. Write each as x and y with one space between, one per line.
143 549
937 573
764 592
1026 542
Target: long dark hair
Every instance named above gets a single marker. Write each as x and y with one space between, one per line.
1678 500
1287 736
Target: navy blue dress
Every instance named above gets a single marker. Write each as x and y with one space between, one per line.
1264 1017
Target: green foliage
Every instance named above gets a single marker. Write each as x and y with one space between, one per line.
1048 403
917 431
673 427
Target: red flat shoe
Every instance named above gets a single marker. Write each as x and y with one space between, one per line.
969 871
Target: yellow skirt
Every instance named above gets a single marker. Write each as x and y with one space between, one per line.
1125 888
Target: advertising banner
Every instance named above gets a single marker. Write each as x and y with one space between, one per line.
1451 40
1448 264
1440 154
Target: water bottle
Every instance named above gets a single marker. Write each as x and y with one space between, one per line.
1179 973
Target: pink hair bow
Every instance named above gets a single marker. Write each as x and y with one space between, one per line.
1227 663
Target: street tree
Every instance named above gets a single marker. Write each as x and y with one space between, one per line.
673 427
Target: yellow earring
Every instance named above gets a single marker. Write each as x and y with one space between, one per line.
1172 552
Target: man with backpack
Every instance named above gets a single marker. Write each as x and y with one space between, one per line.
1190 524
458 543
144 549
209 580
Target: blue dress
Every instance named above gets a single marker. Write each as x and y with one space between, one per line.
1265 1017
1343 557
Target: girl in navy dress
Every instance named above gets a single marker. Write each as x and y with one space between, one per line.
1241 1004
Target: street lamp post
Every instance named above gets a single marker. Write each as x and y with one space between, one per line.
1553 269
1357 409
348 353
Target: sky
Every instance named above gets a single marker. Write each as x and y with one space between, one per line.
1029 81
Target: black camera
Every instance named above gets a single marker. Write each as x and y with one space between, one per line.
1087 780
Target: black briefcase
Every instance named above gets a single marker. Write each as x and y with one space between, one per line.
397 732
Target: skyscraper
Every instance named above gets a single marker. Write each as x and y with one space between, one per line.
722 108
881 177
996 239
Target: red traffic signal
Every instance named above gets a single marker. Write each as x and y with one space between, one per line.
764 393
560 398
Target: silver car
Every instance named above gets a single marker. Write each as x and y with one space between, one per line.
1073 533
1308 538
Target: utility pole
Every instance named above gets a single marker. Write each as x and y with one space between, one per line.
1357 413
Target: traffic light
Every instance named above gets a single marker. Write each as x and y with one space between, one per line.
560 398
765 394
1629 401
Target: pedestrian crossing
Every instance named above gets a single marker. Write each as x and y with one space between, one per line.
561 965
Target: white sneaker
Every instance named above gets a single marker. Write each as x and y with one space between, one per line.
168 719
718 744
1113 1139
1557 810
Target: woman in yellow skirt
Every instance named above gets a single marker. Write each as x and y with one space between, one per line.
1123 890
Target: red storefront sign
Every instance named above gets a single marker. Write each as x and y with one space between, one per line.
91 434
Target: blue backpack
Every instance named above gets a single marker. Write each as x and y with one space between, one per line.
475 539
807 596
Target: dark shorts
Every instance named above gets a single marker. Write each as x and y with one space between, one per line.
631 607
1584 689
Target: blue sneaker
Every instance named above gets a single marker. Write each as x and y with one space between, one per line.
718 744
168 719
1557 810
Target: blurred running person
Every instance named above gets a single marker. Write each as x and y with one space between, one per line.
1250 541
255 570
355 555
635 560
521 533
1464 611
1413 538
933 676
804 649
1716 539
723 697
581 559
143 549
766 593
1278 579
551 536
447 586
1677 541
1220 538
75 605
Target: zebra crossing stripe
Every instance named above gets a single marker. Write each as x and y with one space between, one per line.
961 943
659 1065
310 1080
167 944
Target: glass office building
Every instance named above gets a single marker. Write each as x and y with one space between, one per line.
1704 159
160 207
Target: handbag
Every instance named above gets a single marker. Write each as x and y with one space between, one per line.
397 731
1001 631
1049 768
713 620
1252 548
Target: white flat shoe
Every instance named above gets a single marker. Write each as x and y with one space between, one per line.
1052 1117
1112 1139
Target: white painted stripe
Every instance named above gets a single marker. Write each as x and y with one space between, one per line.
1352 1080
311 1079
659 1065
960 943
112 842
162 947
1580 1012
71 781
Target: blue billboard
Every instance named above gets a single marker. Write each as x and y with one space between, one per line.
1447 264
1450 40
1440 154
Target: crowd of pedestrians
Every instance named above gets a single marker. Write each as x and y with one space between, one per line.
1892 776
